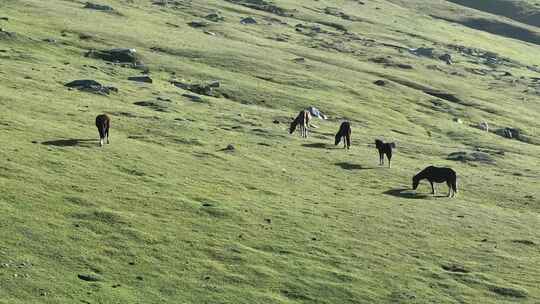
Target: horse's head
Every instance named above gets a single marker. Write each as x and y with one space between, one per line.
415 182
292 127
338 139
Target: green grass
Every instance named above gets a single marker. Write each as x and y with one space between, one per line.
163 215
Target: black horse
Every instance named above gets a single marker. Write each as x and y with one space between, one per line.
384 148
103 122
345 134
437 175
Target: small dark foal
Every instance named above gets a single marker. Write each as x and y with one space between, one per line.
103 122
437 175
345 134
384 148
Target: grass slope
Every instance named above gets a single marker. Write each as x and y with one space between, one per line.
164 215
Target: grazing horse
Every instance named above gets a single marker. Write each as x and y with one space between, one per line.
345 134
302 121
384 148
437 175
103 122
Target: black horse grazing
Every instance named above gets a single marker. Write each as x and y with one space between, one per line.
345 134
437 175
103 122
384 148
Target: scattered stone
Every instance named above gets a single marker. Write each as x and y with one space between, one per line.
248 20
471 157
193 97
458 120
446 58
209 33
201 89
268 221
524 242
92 86
380 83
263 5
215 17
198 24
455 268
230 147
423 51
299 60
276 122
4 18
387 62
154 105
50 40
99 7
144 78
120 55
509 292
89 277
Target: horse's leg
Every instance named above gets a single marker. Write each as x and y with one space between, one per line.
108 135
389 155
450 189
381 158
101 136
432 188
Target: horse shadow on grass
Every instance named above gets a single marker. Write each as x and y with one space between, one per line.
351 166
318 145
72 142
406 193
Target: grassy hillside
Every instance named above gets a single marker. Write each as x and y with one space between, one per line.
167 214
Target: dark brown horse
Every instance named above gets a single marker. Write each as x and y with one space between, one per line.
302 121
437 175
103 122
384 148
344 133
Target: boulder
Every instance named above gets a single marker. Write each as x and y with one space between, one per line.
99 7
120 55
215 17
144 78
198 24
446 58
248 20
92 86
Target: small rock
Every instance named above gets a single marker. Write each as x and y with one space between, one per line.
144 78
193 97
215 17
50 40
276 121
209 33
248 20
446 58
89 277
4 18
380 83
458 120
230 147
299 60
269 221
98 7
198 24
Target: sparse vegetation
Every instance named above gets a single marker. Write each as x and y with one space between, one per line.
208 199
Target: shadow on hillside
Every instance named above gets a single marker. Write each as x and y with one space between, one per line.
72 142
350 166
405 193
